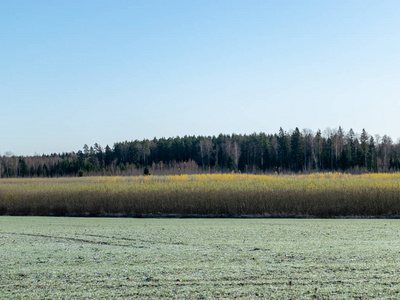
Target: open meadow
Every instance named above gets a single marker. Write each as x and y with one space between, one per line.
218 195
93 258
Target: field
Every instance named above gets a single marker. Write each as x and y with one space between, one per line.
218 195
53 257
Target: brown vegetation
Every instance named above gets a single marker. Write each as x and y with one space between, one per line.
228 195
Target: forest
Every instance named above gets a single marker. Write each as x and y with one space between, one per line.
296 151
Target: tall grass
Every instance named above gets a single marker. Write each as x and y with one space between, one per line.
315 195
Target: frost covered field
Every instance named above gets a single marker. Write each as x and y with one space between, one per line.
52 257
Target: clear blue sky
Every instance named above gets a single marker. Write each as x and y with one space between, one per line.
76 72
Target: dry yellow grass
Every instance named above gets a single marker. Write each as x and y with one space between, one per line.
317 195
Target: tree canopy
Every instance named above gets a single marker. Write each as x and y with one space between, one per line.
283 152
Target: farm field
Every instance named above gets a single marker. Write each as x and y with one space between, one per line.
53 257
323 195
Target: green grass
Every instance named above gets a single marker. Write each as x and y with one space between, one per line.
94 258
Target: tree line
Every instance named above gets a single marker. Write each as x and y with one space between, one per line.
283 152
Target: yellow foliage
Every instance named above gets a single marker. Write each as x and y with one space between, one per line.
233 192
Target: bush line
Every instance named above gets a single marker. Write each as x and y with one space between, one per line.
232 195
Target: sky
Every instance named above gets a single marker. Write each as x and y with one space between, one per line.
95 71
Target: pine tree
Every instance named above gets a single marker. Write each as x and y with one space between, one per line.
297 150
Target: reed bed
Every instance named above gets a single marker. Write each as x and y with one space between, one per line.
209 195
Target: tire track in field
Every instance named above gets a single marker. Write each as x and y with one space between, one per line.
70 239
140 240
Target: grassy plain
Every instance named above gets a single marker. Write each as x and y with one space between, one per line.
95 258
315 195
